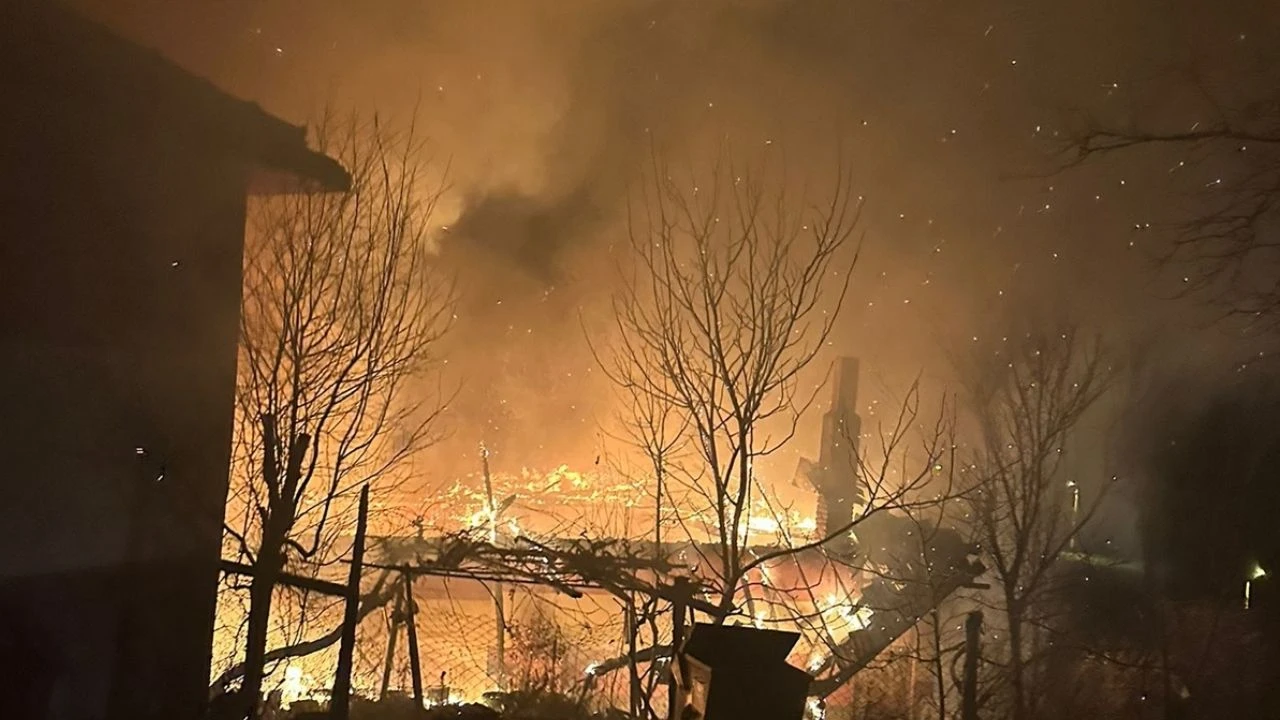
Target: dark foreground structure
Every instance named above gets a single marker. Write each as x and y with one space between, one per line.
123 185
739 673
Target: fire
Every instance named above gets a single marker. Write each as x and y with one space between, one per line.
767 528
479 519
297 685
601 503
456 625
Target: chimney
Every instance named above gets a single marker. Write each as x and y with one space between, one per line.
835 476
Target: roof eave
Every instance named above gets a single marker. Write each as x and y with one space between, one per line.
305 171
282 162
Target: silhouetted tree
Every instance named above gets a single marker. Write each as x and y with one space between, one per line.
342 315
1027 401
733 293
732 289
1226 249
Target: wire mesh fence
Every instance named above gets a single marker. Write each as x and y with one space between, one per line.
477 635
546 641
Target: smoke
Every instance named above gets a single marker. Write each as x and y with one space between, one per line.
548 112
528 231
622 87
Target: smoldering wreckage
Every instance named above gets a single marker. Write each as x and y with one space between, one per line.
867 598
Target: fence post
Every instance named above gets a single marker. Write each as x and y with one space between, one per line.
393 634
415 663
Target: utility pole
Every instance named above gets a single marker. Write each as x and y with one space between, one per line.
500 645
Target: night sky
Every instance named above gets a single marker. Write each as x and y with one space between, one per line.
954 114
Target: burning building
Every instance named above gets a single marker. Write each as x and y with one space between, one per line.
834 477
121 230
477 633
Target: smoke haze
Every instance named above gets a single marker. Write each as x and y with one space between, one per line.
548 111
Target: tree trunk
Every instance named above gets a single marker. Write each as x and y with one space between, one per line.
340 700
633 669
677 643
939 670
277 520
1017 669
972 653
376 598
260 591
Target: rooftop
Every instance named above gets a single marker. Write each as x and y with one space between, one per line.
44 42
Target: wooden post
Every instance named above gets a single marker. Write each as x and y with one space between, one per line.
677 637
632 670
415 662
340 705
972 640
393 633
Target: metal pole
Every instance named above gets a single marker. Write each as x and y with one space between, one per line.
415 662
972 638
340 706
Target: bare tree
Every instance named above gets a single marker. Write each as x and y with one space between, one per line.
848 598
1225 249
936 645
342 315
734 292
1220 249
1027 401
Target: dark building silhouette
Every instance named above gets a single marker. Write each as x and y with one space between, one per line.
123 185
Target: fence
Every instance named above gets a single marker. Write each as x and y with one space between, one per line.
552 642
